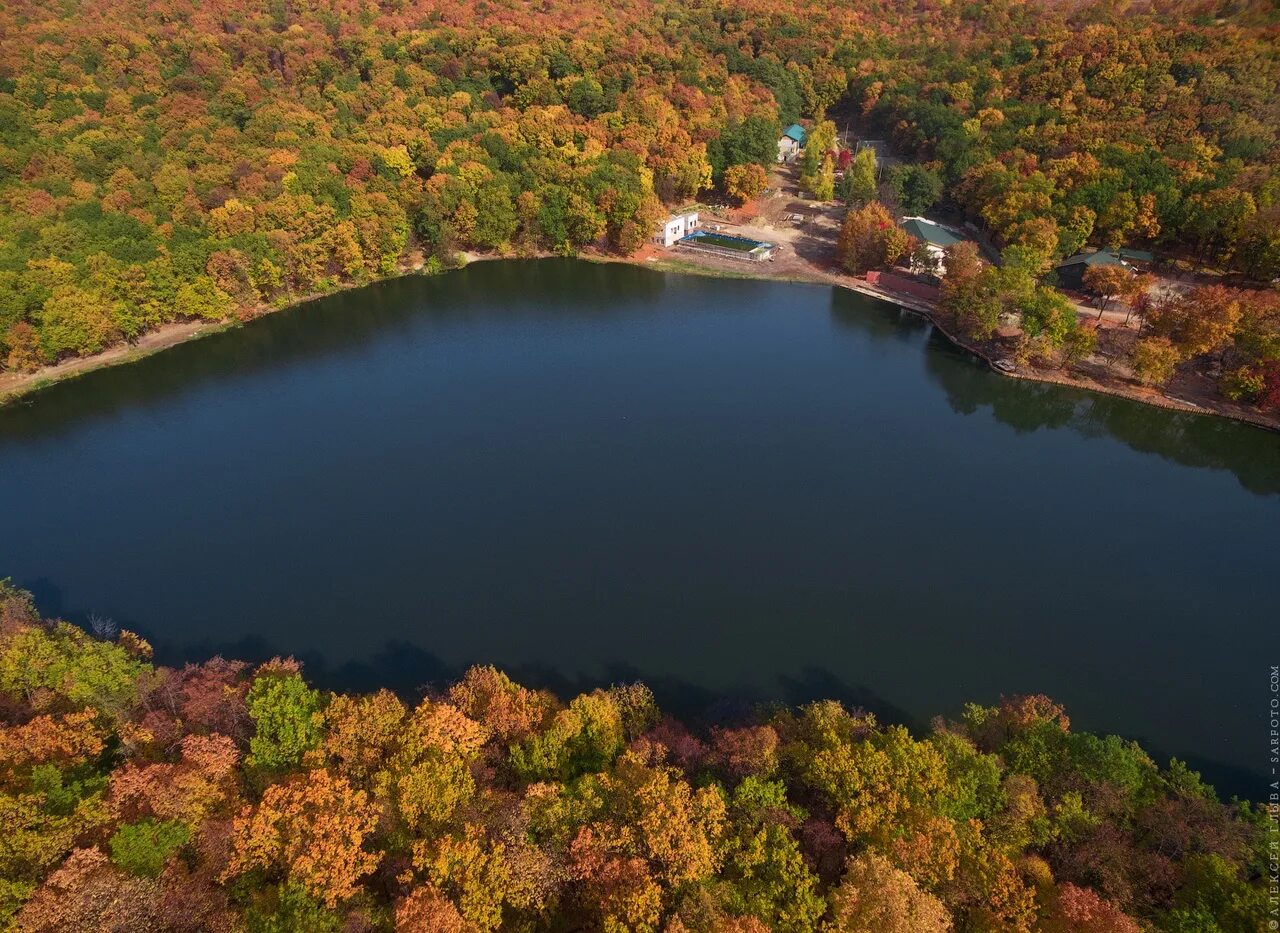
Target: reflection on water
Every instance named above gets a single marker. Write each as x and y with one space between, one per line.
1201 441
329 326
315 330
735 490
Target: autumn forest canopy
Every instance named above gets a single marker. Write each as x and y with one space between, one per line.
165 161
222 796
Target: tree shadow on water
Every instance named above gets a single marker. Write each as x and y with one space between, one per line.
412 672
399 310
1250 453
867 318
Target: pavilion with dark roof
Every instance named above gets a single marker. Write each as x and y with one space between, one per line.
1071 270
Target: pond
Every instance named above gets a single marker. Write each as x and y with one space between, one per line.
734 490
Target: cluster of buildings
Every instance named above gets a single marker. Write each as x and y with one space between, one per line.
937 239
685 230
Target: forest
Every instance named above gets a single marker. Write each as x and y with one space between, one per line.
227 796
178 160
166 160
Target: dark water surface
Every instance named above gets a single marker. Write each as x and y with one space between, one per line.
727 488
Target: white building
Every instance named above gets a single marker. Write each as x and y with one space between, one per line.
678 227
788 149
791 142
936 238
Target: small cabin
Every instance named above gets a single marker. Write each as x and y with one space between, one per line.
791 142
677 227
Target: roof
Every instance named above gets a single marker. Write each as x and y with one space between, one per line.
1136 255
1098 257
929 232
796 131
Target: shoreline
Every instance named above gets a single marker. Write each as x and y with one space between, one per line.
15 387
1146 396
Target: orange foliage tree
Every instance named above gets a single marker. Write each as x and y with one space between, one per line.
312 828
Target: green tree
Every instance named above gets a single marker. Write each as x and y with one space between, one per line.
975 302
822 185
77 321
918 187
1214 888
586 97
496 219
289 908
583 738
862 174
871 778
754 139
201 298
1079 343
817 171
142 848
284 713
1219 219
1050 317
1074 233
767 873
62 667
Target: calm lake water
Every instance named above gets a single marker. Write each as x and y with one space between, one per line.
586 473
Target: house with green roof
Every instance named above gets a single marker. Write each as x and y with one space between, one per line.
927 231
936 238
791 142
